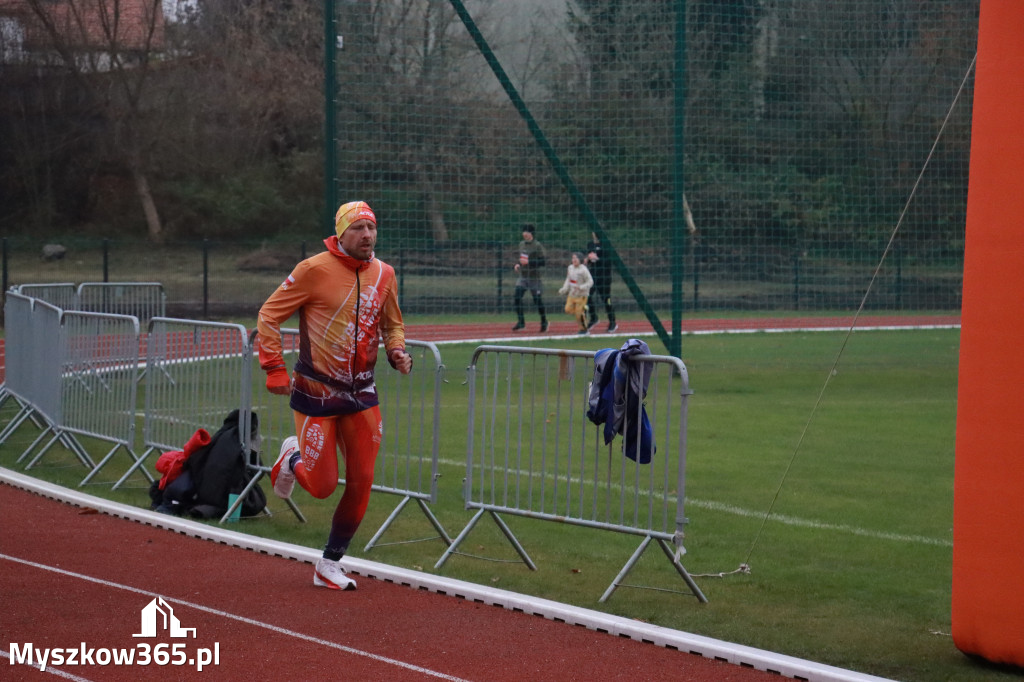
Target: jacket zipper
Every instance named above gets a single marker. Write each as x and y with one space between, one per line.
355 339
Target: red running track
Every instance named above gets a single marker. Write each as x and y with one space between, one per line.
503 331
73 578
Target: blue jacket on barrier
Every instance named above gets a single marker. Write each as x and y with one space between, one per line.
616 398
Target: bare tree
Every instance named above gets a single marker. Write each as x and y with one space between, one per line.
883 68
109 47
421 81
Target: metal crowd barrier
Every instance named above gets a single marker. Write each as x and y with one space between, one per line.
77 372
196 372
31 391
18 317
530 449
99 381
36 348
410 405
63 295
532 452
144 300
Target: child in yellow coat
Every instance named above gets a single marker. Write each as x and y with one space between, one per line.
577 288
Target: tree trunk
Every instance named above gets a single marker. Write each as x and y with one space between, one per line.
153 225
438 227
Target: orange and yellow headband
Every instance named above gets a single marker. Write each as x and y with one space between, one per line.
350 213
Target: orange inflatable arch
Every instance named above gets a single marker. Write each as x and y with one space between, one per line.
988 505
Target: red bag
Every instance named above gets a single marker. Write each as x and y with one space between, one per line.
171 463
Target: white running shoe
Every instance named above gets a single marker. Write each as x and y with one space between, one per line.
281 475
329 574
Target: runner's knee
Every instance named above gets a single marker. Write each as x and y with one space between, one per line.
321 489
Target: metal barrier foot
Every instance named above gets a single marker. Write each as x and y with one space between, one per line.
671 557
398 510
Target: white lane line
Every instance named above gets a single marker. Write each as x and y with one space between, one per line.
241 619
784 519
701 332
822 525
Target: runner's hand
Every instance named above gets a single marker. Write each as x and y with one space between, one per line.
400 360
279 381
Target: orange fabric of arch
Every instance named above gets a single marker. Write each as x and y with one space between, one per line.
988 507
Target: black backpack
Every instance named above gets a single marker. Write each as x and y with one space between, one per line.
214 472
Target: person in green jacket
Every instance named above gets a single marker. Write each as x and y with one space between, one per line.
529 265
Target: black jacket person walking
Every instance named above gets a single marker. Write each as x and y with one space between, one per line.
601 270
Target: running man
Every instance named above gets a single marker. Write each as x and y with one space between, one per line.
347 300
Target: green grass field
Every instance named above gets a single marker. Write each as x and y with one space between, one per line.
853 566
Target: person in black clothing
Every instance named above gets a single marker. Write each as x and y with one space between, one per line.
601 270
530 263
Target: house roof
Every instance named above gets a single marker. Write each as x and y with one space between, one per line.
89 25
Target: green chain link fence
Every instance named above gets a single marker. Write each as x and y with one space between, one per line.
734 155
751 154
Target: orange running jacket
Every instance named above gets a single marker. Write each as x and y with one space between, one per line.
345 306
